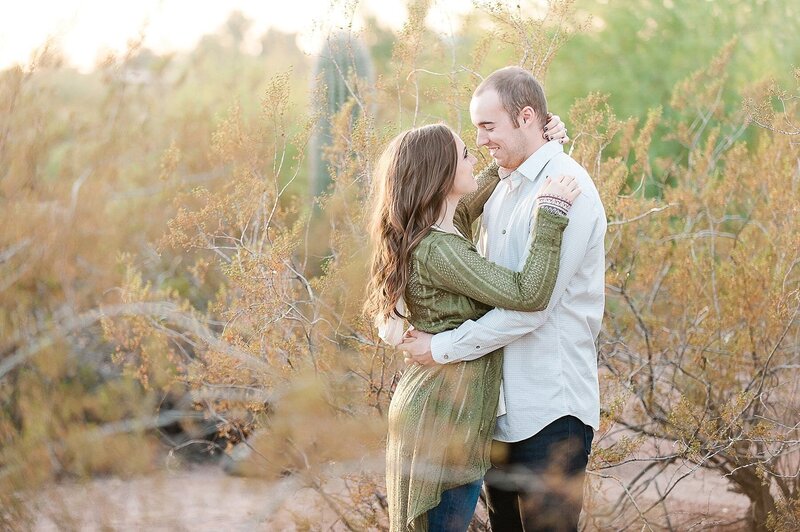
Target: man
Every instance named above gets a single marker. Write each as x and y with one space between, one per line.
550 387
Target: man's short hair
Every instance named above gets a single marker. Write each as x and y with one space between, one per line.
517 89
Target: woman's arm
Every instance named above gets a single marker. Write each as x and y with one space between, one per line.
471 205
457 266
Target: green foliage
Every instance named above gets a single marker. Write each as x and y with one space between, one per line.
636 51
343 72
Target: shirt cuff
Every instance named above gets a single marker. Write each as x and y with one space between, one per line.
442 347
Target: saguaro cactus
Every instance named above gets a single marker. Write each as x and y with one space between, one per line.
343 61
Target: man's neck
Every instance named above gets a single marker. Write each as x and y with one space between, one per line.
537 142
534 146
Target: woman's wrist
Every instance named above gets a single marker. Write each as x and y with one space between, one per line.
554 204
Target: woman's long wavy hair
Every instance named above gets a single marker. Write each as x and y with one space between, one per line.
413 178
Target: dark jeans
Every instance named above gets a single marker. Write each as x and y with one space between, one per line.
537 484
455 510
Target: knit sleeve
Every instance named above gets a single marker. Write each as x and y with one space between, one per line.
471 205
455 265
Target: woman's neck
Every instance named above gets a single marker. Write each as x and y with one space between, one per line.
445 220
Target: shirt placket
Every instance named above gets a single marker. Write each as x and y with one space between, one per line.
499 233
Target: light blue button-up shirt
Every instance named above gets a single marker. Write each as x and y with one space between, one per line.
550 363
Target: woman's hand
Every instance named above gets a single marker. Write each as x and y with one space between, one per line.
559 193
555 129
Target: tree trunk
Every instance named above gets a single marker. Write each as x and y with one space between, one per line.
762 503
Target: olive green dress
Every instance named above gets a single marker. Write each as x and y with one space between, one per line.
441 418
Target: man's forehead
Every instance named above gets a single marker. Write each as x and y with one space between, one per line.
487 95
486 101
486 114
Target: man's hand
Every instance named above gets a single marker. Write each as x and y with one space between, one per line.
417 345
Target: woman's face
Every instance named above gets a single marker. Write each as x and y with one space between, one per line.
464 181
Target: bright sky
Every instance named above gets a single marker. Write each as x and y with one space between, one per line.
83 29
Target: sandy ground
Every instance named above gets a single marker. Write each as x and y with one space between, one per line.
700 501
198 498
205 498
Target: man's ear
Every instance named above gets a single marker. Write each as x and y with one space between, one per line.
527 116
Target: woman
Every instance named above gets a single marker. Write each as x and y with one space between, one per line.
426 269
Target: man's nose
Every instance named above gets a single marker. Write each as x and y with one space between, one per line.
482 138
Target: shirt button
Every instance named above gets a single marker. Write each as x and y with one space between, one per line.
446 357
477 347
504 231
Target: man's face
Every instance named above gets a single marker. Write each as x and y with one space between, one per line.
507 144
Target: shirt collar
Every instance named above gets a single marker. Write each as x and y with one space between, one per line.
533 165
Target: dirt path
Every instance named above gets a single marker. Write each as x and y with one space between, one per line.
200 498
205 498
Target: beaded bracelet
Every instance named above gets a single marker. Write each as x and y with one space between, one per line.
553 206
556 197
557 202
